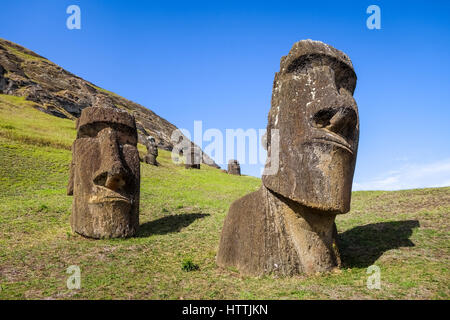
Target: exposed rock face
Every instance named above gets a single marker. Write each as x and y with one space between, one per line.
104 175
234 167
3 83
287 227
62 94
152 152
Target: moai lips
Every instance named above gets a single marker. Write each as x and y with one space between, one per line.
287 226
104 174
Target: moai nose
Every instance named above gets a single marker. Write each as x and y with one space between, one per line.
341 121
112 172
115 179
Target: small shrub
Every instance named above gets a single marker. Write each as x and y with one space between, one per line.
8 127
43 208
187 265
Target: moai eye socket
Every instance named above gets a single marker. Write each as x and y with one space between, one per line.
344 75
124 133
91 130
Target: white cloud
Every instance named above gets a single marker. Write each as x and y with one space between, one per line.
409 176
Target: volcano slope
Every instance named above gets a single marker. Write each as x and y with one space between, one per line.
60 93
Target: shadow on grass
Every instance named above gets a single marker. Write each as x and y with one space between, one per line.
361 246
169 224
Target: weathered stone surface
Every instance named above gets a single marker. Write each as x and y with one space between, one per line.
193 157
234 167
3 83
266 233
104 174
152 152
287 227
317 118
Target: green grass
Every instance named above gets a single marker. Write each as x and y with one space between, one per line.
22 55
19 121
405 233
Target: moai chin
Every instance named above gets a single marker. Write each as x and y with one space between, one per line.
104 174
152 152
234 167
287 226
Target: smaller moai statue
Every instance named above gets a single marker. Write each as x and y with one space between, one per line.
193 157
104 177
234 167
152 152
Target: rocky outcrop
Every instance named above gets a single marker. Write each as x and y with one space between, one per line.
63 94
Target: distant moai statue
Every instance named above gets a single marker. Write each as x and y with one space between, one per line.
234 167
152 151
287 227
193 157
104 174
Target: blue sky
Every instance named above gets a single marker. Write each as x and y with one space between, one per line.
215 60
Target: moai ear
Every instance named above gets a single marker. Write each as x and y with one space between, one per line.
70 183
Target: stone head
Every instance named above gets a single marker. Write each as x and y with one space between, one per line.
317 120
193 156
105 177
152 148
234 167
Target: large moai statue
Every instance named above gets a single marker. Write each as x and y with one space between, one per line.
104 174
234 167
193 157
152 152
287 227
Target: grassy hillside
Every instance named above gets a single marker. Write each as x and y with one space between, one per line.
405 233
56 91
